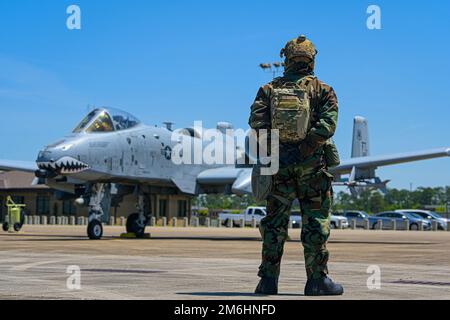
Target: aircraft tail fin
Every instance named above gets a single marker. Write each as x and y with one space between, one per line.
360 141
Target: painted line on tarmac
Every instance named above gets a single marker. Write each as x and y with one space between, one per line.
27 266
14 260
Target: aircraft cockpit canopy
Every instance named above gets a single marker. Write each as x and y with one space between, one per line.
106 120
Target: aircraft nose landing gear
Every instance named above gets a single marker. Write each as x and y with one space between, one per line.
95 230
100 202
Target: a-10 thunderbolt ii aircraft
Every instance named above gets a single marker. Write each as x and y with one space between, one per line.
111 154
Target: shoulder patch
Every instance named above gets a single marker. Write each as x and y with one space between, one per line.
324 85
267 88
276 81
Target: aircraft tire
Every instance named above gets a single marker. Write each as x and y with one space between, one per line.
5 226
133 227
17 227
95 230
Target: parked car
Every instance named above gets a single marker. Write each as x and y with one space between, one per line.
336 221
296 217
359 216
258 213
400 218
430 216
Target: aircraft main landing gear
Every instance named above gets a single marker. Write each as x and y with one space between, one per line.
136 225
137 222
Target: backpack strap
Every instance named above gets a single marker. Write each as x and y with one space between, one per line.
307 79
306 84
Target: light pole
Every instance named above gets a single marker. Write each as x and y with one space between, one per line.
272 67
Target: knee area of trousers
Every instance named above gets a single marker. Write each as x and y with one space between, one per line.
316 237
275 221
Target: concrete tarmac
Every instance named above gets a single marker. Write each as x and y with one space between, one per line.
216 263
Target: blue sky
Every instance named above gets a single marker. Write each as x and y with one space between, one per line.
198 60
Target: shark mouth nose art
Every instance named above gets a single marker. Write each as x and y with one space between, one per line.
65 165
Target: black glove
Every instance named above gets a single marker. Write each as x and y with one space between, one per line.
306 150
289 155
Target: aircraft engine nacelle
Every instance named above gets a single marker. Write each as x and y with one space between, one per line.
252 149
190 132
224 126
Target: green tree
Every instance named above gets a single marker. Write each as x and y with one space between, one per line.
369 200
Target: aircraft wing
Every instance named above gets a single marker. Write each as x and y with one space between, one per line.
379 161
13 165
239 179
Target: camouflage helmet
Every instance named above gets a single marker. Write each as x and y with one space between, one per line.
299 47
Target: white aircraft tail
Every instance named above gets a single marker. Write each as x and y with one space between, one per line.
360 142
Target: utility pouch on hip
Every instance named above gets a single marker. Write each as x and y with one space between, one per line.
331 154
261 184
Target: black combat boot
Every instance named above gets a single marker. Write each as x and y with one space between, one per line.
268 286
323 287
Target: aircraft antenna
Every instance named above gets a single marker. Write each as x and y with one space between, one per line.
168 125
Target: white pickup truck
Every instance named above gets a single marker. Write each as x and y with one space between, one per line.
248 214
258 213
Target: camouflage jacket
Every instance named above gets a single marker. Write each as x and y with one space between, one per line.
324 117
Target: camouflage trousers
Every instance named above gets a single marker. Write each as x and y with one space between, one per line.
314 191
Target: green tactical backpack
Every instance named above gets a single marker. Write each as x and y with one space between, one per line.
291 110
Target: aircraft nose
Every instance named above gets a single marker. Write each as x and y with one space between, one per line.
45 156
45 162
56 161
50 155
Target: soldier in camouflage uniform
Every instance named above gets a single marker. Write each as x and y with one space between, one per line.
303 170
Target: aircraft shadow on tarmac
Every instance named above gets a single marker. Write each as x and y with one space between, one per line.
235 294
46 237
208 238
406 243
60 237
